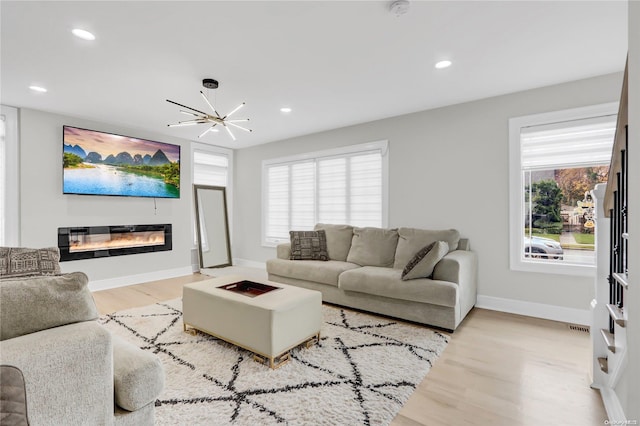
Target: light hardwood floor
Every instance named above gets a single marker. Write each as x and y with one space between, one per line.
498 369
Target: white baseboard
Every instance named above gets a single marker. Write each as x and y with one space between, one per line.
538 310
249 263
612 405
139 278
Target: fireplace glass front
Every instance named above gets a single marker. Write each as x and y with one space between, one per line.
103 241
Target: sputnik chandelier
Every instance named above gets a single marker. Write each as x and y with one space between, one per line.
204 118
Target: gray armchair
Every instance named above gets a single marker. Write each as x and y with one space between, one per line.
75 371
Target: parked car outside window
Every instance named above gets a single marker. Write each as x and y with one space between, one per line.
542 248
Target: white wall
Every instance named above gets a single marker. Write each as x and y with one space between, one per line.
632 302
43 207
448 169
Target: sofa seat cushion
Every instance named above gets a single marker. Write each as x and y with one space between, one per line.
310 270
387 282
138 377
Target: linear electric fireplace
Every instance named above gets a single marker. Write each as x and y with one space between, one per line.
90 242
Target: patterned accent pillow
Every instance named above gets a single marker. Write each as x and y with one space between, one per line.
423 263
308 245
18 262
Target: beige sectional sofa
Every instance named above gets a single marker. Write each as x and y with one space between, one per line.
365 269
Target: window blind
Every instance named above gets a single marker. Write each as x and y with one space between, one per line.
210 168
580 143
336 189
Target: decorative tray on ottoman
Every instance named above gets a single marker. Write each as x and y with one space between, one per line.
249 288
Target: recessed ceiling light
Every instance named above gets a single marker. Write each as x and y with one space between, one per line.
83 34
38 89
443 64
285 109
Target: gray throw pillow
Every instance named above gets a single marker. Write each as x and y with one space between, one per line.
423 263
24 262
32 304
308 245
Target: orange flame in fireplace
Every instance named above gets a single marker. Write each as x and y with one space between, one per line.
115 240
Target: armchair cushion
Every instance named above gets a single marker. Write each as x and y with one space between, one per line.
32 304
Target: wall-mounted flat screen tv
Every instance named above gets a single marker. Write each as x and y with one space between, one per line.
99 163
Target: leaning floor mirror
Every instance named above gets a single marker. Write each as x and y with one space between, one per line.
214 249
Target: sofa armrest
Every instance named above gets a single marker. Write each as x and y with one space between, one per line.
458 266
67 371
284 251
461 267
463 244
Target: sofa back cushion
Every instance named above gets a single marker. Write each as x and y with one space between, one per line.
338 240
32 304
23 262
373 247
411 240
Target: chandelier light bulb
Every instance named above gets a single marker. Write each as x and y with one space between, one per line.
83 34
38 89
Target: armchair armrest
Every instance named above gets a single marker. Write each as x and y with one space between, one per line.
284 251
67 373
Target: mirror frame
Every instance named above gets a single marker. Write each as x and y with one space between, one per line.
222 189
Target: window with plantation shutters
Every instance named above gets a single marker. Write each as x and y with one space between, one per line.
342 186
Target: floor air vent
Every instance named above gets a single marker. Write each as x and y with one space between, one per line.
580 328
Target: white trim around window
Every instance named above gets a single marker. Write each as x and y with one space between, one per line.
516 206
306 170
10 180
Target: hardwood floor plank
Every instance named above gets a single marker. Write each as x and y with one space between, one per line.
498 369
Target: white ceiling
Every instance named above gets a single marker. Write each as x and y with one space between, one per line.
336 63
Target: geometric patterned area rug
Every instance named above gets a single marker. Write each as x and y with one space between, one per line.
360 373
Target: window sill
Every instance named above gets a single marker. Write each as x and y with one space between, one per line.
269 244
549 267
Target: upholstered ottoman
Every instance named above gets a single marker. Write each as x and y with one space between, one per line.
267 322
